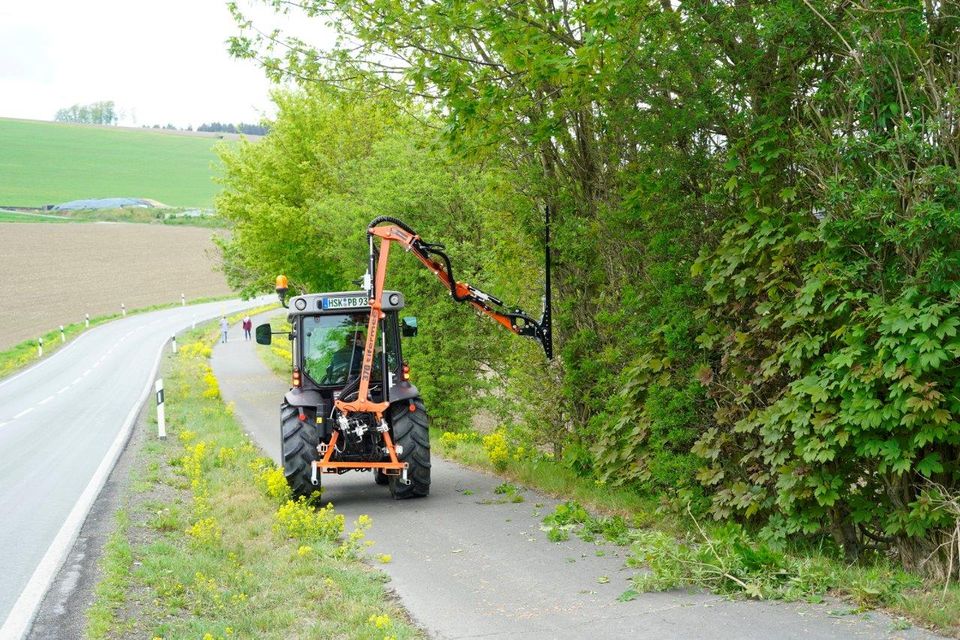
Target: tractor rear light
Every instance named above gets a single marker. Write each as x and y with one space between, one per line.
406 372
296 377
302 417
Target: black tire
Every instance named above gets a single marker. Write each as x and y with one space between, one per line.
298 446
411 431
380 477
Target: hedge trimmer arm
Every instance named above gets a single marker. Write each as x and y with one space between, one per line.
515 320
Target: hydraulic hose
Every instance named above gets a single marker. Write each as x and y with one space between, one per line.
426 248
400 223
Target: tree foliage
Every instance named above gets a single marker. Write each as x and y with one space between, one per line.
756 221
102 112
300 201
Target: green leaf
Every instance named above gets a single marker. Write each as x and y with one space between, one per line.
931 463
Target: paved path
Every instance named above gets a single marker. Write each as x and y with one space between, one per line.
63 423
465 567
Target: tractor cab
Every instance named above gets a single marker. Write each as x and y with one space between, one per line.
329 333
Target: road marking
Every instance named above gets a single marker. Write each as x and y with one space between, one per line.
76 381
23 413
45 400
25 608
3 423
44 362
62 390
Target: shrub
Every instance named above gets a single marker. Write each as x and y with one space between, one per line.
274 484
301 521
498 451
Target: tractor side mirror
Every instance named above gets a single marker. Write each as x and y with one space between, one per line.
408 327
264 335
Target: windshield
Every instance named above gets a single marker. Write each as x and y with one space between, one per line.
333 348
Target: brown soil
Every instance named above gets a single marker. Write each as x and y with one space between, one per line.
52 274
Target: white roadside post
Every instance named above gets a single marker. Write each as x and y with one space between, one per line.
86 319
63 336
161 421
123 309
173 344
40 347
183 300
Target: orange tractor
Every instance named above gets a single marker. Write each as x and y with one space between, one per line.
351 405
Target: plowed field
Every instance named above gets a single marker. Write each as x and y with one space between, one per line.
52 274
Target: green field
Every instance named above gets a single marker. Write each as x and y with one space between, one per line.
49 163
16 216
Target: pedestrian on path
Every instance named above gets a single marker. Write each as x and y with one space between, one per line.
247 326
223 329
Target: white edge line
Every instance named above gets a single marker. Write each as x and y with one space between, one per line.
21 616
48 359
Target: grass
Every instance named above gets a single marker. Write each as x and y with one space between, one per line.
277 356
26 353
678 551
209 545
16 216
136 215
131 215
548 477
45 163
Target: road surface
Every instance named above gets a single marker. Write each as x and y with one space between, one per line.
466 566
63 422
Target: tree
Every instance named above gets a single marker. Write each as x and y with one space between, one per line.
102 113
756 221
300 200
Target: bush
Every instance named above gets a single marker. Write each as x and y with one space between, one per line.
301 521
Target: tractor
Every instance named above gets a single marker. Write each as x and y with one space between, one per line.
351 405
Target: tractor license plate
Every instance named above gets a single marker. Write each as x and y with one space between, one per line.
345 302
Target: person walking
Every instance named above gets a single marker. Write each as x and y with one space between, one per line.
223 328
247 326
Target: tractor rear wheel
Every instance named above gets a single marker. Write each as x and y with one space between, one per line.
298 445
411 433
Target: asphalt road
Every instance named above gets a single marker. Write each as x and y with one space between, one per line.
63 422
466 566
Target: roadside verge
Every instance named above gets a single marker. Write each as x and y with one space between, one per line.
208 544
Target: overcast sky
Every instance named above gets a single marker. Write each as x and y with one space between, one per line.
159 61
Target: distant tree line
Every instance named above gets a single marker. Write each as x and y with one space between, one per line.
249 129
217 127
102 112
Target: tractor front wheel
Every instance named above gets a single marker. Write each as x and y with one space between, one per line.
411 432
298 445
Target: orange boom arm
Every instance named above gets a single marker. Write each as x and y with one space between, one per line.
514 320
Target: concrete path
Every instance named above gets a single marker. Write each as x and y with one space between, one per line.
63 423
465 566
